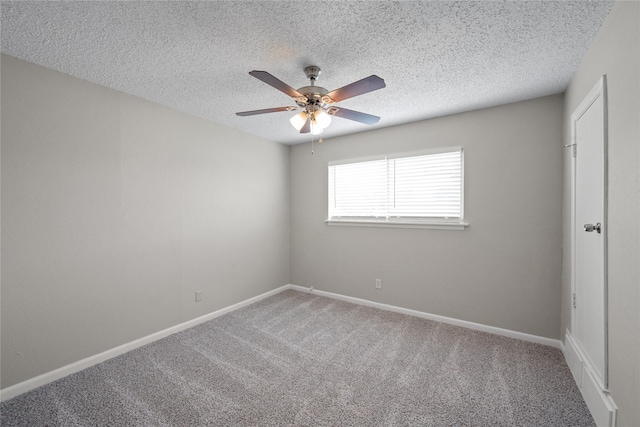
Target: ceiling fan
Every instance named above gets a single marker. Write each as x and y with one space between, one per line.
317 102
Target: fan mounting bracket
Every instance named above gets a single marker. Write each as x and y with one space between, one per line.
312 72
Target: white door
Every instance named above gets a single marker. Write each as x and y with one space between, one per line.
589 326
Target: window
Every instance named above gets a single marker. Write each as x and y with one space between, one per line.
424 189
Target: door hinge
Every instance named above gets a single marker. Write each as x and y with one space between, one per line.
574 149
573 300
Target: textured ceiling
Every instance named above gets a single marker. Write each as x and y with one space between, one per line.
437 58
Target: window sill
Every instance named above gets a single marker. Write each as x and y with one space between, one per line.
437 225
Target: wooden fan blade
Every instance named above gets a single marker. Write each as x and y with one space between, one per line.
306 128
357 116
264 111
368 84
275 82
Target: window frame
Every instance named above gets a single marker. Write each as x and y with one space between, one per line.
401 222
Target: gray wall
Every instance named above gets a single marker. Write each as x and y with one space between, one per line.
616 53
116 210
504 270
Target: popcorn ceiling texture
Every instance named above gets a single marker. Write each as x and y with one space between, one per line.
305 360
436 57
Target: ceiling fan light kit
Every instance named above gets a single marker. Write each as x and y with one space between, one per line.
322 118
298 120
316 101
319 120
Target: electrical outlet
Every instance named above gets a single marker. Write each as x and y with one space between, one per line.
198 296
378 283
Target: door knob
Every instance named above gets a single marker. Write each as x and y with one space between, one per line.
590 227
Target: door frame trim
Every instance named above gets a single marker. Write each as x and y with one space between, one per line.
600 403
599 91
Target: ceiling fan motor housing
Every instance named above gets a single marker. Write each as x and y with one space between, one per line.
313 95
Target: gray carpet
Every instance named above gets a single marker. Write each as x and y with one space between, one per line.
301 359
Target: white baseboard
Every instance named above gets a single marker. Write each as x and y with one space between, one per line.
599 401
56 374
463 323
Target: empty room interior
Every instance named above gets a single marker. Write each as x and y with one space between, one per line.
175 252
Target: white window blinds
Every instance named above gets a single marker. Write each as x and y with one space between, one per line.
428 186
